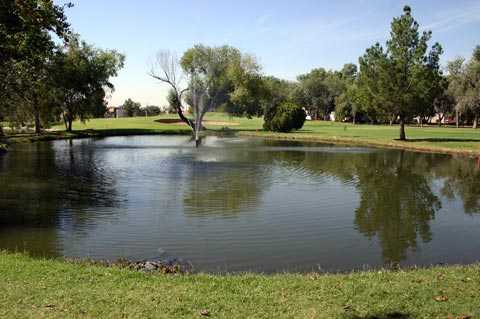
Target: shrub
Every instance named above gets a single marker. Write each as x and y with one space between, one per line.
286 117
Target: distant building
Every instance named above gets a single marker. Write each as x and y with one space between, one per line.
115 112
442 118
331 116
439 118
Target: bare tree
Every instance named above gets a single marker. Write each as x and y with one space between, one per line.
166 68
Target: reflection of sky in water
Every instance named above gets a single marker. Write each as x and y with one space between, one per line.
239 204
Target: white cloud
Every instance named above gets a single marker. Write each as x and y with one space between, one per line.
451 19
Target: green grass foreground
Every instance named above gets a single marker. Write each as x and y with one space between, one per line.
431 138
38 288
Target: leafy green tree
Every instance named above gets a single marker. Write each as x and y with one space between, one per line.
317 91
444 102
132 108
209 84
347 104
401 80
82 74
26 46
465 84
249 89
248 96
152 110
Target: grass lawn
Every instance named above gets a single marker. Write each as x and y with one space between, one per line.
438 139
39 288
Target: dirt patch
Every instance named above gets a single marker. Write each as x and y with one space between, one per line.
179 122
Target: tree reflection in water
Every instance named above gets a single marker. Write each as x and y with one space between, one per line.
226 183
57 186
396 203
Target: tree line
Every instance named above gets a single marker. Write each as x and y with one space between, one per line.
401 82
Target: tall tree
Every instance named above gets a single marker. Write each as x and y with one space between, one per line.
82 74
209 84
465 84
402 79
26 46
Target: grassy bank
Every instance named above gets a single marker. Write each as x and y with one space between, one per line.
46 288
434 139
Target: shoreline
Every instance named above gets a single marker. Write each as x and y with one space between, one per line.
394 144
36 287
293 136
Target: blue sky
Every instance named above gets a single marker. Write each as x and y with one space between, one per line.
287 37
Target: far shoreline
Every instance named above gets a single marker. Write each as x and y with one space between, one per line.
293 136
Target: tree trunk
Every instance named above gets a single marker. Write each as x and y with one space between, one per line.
70 121
440 119
456 118
198 128
184 118
65 121
354 119
475 121
38 126
402 129
197 139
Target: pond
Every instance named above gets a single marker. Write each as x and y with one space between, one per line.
239 204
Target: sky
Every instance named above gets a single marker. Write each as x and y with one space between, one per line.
288 38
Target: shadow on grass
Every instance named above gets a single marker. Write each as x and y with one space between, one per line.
235 130
390 315
440 140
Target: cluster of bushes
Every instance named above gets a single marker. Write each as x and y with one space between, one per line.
133 108
285 118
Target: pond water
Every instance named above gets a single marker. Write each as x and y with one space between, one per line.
239 204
